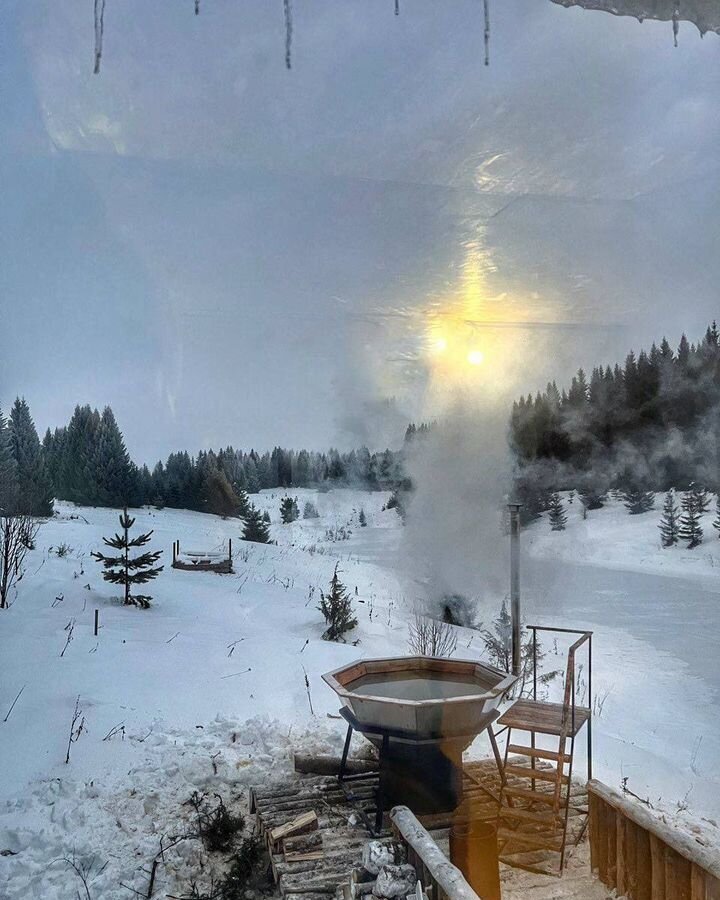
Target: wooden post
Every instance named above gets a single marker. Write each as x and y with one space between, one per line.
230 551
97 616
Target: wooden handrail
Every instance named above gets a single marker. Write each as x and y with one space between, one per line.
641 856
430 862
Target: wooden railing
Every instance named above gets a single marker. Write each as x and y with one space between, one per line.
440 878
641 857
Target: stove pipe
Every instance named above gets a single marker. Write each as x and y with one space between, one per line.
515 584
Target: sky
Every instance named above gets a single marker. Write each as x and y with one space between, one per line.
230 252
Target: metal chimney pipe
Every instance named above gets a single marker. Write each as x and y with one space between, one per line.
515 584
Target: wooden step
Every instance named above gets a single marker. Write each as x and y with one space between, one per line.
539 754
538 774
530 839
527 815
533 796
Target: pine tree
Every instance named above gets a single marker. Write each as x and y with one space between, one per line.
336 607
127 570
289 511
310 511
362 518
110 466
218 497
716 523
669 523
34 488
690 528
638 501
556 513
266 518
256 528
8 471
592 497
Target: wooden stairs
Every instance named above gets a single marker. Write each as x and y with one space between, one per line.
533 818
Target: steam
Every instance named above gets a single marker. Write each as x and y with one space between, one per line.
453 539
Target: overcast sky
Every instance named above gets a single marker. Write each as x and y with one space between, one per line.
230 252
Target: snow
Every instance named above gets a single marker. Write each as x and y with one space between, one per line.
206 689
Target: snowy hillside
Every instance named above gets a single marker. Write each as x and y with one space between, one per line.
206 689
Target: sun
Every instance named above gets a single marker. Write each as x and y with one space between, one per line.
475 357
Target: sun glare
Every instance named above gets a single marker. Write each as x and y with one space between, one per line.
475 357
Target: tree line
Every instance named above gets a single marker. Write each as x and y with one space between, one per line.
649 425
87 462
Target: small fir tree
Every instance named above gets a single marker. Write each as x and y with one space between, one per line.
556 513
638 501
669 523
362 518
498 645
592 497
266 517
256 528
289 511
310 511
716 521
690 529
130 570
336 607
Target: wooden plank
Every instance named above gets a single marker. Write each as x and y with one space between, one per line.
299 825
677 876
643 865
538 753
621 880
611 834
657 857
697 883
538 774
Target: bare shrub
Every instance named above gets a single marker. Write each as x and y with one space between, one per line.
431 637
17 536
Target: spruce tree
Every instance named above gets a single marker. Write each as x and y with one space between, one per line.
310 511
362 518
110 466
716 523
690 528
126 570
8 471
638 501
218 497
289 511
336 607
34 488
556 513
592 497
256 528
669 523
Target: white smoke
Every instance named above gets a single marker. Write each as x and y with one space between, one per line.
453 539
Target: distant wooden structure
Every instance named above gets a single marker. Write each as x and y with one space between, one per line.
201 561
643 858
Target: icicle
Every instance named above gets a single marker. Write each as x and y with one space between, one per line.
197 7
486 7
99 28
397 7
288 34
676 23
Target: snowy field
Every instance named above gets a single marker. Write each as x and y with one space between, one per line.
206 690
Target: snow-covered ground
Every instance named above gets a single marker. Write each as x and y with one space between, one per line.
206 690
